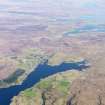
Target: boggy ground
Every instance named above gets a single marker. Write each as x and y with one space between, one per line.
88 88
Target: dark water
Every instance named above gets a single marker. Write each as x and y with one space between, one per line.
87 28
42 71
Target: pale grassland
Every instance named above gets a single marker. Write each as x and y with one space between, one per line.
60 57
27 61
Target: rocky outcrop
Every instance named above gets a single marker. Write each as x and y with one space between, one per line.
88 90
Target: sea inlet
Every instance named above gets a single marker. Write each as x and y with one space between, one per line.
42 71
